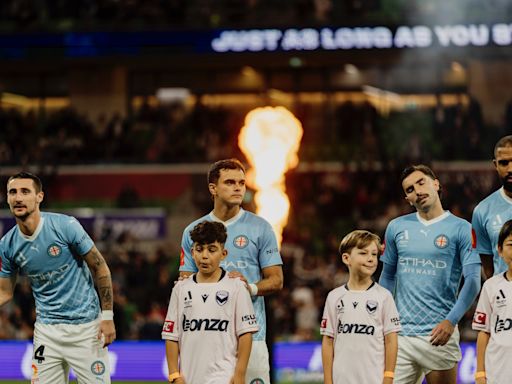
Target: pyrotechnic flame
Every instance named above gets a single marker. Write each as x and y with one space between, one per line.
270 140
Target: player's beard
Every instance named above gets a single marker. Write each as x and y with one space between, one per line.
507 183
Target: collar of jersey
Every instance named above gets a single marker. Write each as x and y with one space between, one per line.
367 289
434 220
504 195
194 277
234 219
36 232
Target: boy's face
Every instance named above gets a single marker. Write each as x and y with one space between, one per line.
506 251
362 260
208 256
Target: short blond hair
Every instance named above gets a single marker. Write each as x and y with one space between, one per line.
358 239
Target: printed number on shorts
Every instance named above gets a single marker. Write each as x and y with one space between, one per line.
38 354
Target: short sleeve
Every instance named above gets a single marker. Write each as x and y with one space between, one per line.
171 328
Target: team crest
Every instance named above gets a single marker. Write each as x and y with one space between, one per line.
54 250
441 241
241 241
371 306
221 297
98 368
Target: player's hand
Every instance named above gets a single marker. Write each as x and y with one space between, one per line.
441 333
179 380
387 380
107 332
236 274
237 379
481 380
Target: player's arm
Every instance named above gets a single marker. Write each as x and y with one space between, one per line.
390 353
487 265
6 289
172 352
101 273
443 331
327 358
481 346
242 360
272 280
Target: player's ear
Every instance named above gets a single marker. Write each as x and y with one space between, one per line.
345 257
224 253
408 201
436 184
212 187
40 197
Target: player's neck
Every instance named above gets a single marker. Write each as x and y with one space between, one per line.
359 283
225 212
509 274
28 225
209 277
434 211
507 193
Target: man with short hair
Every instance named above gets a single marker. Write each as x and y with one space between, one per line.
58 256
252 252
427 253
493 211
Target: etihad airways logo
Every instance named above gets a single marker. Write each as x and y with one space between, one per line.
421 266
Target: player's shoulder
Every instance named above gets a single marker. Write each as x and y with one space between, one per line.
488 202
337 292
406 219
458 220
58 218
251 217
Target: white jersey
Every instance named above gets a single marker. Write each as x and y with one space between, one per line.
358 322
206 320
494 316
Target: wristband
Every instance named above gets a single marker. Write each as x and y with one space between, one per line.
174 376
389 374
107 315
253 288
479 375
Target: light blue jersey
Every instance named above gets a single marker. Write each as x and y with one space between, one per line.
429 256
251 246
52 260
488 218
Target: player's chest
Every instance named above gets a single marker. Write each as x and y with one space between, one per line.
358 310
42 255
496 220
501 303
209 302
426 241
242 247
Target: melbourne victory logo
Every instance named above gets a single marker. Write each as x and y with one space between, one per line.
54 250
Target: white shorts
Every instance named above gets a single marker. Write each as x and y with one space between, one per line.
57 347
258 369
417 357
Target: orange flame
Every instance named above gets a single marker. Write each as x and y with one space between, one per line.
270 140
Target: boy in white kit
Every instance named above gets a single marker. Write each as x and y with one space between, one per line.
360 320
210 320
493 320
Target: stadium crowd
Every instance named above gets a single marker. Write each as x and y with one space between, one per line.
202 133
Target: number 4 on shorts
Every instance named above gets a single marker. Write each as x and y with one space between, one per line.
38 354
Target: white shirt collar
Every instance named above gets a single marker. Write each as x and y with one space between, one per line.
434 220
234 219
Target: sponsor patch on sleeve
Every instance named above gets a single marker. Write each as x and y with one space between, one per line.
480 318
182 258
168 326
473 238
323 324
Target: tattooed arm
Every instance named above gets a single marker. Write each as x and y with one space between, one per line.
101 273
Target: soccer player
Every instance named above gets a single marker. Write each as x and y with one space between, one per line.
360 320
490 214
58 256
493 319
210 320
426 254
252 252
